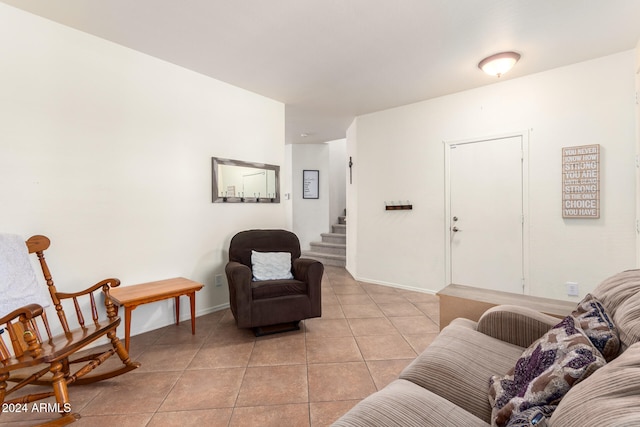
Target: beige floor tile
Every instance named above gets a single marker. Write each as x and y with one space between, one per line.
414 325
201 417
167 357
431 309
332 349
125 394
387 298
361 311
378 289
226 354
350 299
348 289
372 326
203 389
420 342
228 331
128 420
332 311
273 385
395 309
385 347
329 299
323 414
385 371
181 335
142 340
271 416
339 381
276 350
320 327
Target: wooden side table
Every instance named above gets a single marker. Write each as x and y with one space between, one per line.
132 296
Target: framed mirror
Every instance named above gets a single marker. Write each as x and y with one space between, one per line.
235 181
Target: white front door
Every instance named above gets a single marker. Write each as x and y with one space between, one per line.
485 227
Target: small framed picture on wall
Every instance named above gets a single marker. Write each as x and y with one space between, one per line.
310 184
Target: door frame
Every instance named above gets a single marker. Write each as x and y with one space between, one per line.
447 144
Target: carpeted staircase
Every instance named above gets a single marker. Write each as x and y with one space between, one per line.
332 250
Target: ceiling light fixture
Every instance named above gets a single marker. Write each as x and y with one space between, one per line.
500 63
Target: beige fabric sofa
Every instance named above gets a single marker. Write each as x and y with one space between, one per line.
448 384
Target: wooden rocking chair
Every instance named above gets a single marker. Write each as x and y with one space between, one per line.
23 329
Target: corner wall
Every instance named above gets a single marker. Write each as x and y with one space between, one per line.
108 152
400 157
353 216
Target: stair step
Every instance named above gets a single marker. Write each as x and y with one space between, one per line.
339 228
326 259
342 220
334 238
329 248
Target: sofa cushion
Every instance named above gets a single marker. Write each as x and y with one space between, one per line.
609 397
545 372
596 322
403 403
458 364
620 294
271 265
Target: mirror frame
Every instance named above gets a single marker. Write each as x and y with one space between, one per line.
215 191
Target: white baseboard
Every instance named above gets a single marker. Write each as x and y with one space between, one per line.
396 285
201 312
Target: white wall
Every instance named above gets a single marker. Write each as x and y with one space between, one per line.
108 152
638 153
400 156
310 216
338 179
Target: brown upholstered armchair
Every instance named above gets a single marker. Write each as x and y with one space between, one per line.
283 300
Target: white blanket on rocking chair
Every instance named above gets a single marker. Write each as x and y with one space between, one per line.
18 283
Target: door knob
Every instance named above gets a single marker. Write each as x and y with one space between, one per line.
455 229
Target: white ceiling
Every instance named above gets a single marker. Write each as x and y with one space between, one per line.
331 60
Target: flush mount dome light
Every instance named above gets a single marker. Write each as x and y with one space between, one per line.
500 63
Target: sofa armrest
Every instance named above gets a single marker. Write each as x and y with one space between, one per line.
471 302
237 273
310 271
239 281
516 325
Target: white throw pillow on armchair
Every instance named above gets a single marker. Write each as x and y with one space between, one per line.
271 265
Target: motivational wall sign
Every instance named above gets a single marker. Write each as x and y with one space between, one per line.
581 181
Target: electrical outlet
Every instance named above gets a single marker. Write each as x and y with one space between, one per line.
572 289
218 280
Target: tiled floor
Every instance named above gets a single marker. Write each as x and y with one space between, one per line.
224 376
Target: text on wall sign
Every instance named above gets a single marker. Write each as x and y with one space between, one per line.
581 181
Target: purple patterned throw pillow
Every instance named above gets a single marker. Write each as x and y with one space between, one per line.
596 323
545 372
